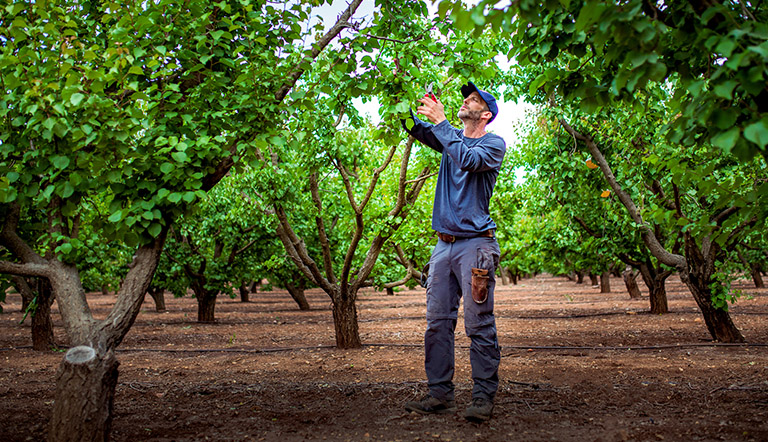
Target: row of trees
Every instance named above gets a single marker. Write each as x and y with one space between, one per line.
200 147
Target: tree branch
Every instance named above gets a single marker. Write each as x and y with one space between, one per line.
131 294
650 239
25 269
13 242
341 23
321 231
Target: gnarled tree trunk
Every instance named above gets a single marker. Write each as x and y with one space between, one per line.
297 293
158 296
656 281
630 280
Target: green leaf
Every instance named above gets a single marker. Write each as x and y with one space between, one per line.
115 217
726 140
76 98
180 156
758 132
60 161
154 229
725 90
167 167
67 190
64 249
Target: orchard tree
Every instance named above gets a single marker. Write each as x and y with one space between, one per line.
357 162
712 57
333 153
565 174
217 247
151 103
712 54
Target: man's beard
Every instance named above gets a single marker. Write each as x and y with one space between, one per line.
470 115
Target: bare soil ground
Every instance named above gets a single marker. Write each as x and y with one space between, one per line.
576 365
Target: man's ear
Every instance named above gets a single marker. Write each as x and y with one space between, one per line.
487 115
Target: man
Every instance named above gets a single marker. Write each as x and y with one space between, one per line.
466 254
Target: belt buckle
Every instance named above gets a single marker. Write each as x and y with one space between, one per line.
445 237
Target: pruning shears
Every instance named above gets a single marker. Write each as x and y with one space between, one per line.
429 92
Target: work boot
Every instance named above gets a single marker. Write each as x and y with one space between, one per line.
431 405
480 410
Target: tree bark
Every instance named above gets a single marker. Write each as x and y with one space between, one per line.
158 296
244 293
630 280
297 293
42 324
605 282
39 291
206 306
345 322
754 271
655 279
593 279
84 397
504 276
580 277
697 277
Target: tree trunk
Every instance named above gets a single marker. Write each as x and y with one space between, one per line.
754 270
390 291
85 392
593 279
605 282
718 320
38 290
297 293
345 322
158 295
580 277
514 276
206 305
244 293
630 280
655 280
504 278
42 324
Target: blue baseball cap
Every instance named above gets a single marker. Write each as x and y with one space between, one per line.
489 99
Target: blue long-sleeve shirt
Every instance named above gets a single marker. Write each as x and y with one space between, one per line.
468 171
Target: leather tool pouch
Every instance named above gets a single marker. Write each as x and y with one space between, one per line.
479 285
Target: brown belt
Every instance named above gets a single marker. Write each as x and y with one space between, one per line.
452 238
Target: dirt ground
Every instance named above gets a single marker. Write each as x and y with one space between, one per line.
576 365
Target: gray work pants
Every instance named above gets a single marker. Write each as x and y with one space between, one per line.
450 277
